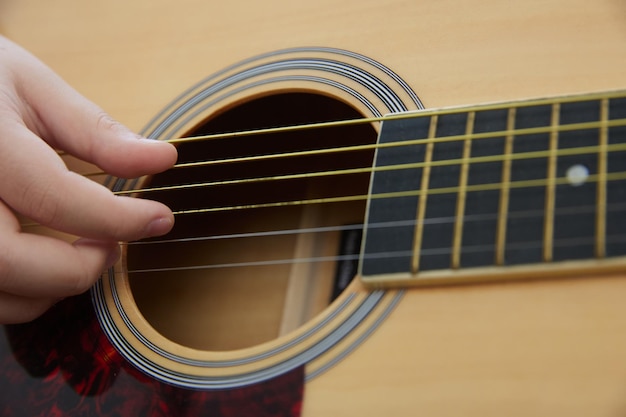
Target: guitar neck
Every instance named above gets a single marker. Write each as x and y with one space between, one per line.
498 191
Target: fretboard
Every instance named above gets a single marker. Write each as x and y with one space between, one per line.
514 190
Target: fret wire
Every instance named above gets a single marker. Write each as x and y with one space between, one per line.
461 195
600 247
548 235
503 207
421 210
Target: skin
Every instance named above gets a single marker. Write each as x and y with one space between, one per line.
39 114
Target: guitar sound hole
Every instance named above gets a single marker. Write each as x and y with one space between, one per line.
236 277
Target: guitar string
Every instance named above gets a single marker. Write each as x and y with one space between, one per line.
558 243
537 244
482 187
404 115
471 160
464 249
368 170
615 176
517 132
564 211
412 114
453 138
443 190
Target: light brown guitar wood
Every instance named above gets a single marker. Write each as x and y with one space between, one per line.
541 348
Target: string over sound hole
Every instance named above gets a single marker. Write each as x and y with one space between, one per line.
259 226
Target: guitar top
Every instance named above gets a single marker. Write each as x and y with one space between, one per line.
511 118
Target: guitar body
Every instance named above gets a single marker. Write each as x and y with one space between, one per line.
543 347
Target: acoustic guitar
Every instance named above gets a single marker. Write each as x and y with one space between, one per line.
382 208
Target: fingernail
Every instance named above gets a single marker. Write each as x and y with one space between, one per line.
159 226
149 141
114 255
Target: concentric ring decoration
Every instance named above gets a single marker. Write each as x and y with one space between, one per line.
369 87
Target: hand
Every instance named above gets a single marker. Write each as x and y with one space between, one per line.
38 114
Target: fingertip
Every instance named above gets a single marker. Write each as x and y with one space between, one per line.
160 226
135 219
167 152
163 145
130 156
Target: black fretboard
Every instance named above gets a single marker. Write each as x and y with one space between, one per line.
493 191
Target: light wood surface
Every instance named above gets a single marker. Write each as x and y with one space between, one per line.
541 348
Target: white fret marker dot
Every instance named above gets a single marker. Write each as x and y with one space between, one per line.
577 175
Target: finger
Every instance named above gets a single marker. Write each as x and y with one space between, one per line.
35 266
79 127
18 309
42 189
